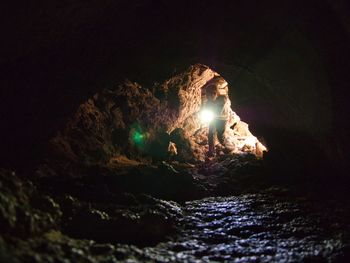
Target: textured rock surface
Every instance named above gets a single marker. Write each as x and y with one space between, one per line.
23 211
140 123
272 225
287 67
100 127
110 216
66 219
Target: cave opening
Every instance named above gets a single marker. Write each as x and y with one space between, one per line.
129 177
179 125
125 133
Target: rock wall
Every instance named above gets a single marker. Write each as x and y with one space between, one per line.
56 55
139 123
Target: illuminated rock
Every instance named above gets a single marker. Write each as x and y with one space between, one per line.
131 120
238 139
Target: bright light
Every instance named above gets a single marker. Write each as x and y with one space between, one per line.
250 141
206 116
137 137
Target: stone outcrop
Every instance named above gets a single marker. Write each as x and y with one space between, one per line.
44 213
140 123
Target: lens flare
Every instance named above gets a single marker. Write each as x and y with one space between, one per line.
138 137
206 116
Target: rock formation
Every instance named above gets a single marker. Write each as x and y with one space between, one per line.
136 122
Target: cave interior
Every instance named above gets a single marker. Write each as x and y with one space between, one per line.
104 155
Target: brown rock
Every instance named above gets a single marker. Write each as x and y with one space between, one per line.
133 121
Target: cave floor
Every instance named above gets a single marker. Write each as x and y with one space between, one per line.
268 226
231 215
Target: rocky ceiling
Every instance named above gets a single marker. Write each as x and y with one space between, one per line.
286 63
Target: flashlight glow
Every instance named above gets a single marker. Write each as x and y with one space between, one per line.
206 116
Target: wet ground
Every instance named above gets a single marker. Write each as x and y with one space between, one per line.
90 220
270 226
264 227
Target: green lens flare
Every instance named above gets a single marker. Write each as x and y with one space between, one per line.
137 137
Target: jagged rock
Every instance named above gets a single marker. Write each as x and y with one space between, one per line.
102 249
100 127
151 219
183 145
20 213
136 122
182 95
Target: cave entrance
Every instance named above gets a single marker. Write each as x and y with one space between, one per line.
200 115
163 122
